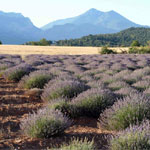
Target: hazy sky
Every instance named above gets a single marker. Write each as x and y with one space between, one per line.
42 12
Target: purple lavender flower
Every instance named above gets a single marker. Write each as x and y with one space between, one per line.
65 89
142 85
117 85
17 72
126 111
36 79
93 101
45 123
125 91
133 138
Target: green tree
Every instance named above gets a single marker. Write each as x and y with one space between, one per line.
0 43
125 37
42 42
105 50
148 43
135 43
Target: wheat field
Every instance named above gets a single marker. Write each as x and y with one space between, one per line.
24 50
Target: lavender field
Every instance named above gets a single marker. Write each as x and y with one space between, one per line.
112 89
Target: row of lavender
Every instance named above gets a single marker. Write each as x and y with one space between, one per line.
113 88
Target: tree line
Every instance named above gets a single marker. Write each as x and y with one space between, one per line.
123 38
42 42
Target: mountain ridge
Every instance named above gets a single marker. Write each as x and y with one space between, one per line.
92 16
17 29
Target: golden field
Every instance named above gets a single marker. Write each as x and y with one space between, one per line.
52 50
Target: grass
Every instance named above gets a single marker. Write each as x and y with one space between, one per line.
24 50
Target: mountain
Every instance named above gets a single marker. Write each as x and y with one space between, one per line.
111 20
91 22
17 29
123 38
72 31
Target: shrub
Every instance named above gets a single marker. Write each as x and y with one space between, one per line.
133 50
35 79
63 106
96 84
142 85
147 92
141 50
77 144
107 79
37 82
66 76
42 42
126 111
5 66
110 72
117 85
147 77
135 43
117 67
133 138
132 78
86 78
125 91
45 124
64 89
105 50
121 74
92 102
17 72
144 71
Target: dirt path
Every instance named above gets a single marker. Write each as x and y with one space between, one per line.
15 105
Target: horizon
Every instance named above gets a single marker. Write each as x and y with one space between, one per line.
50 11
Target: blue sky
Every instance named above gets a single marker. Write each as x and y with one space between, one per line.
42 12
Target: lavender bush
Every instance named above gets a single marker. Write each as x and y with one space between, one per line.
96 84
17 72
117 85
142 85
64 89
107 79
125 91
45 123
4 66
147 92
133 138
110 72
36 79
77 144
126 111
11 59
92 102
121 74
132 78
118 67
63 106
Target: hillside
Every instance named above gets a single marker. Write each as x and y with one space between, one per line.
91 22
123 38
17 29
110 20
